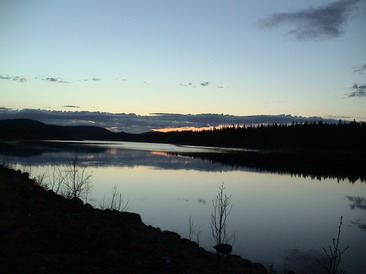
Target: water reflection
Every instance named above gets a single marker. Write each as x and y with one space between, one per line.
339 166
276 218
358 202
301 261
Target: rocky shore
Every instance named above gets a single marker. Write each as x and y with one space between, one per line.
41 232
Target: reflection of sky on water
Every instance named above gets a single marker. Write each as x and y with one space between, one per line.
152 146
277 219
119 154
358 203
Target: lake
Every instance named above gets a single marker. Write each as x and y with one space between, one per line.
279 219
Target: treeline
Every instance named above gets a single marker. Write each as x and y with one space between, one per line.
315 135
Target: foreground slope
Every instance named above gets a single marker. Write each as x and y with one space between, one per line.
44 232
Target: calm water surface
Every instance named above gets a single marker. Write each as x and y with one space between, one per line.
277 219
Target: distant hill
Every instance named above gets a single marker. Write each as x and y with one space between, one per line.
24 129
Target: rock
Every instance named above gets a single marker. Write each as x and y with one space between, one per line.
51 191
111 255
25 175
189 242
167 262
223 248
172 234
259 268
77 202
131 217
88 206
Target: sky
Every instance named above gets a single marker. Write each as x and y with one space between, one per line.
298 57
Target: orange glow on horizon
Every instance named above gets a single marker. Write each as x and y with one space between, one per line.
185 129
166 154
115 129
179 129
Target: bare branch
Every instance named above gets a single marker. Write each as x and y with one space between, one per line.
221 210
335 253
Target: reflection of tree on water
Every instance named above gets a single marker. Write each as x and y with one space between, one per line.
300 261
316 165
358 202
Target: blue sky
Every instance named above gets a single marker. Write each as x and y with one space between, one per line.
298 57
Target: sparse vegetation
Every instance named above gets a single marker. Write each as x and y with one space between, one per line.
334 254
56 180
190 227
41 180
222 207
117 201
73 181
77 183
8 163
193 231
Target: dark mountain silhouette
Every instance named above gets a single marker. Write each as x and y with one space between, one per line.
24 129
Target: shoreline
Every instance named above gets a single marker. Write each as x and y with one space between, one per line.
47 233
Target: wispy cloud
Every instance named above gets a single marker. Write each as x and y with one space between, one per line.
20 79
314 23
360 69
55 80
186 85
70 106
358 91
190 84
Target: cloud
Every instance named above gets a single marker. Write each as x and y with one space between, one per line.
20 79
187 85
5 77
339 117
51 79
55 80
358 91
133 123
190 84
70 106
314 23
360 69
120 78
